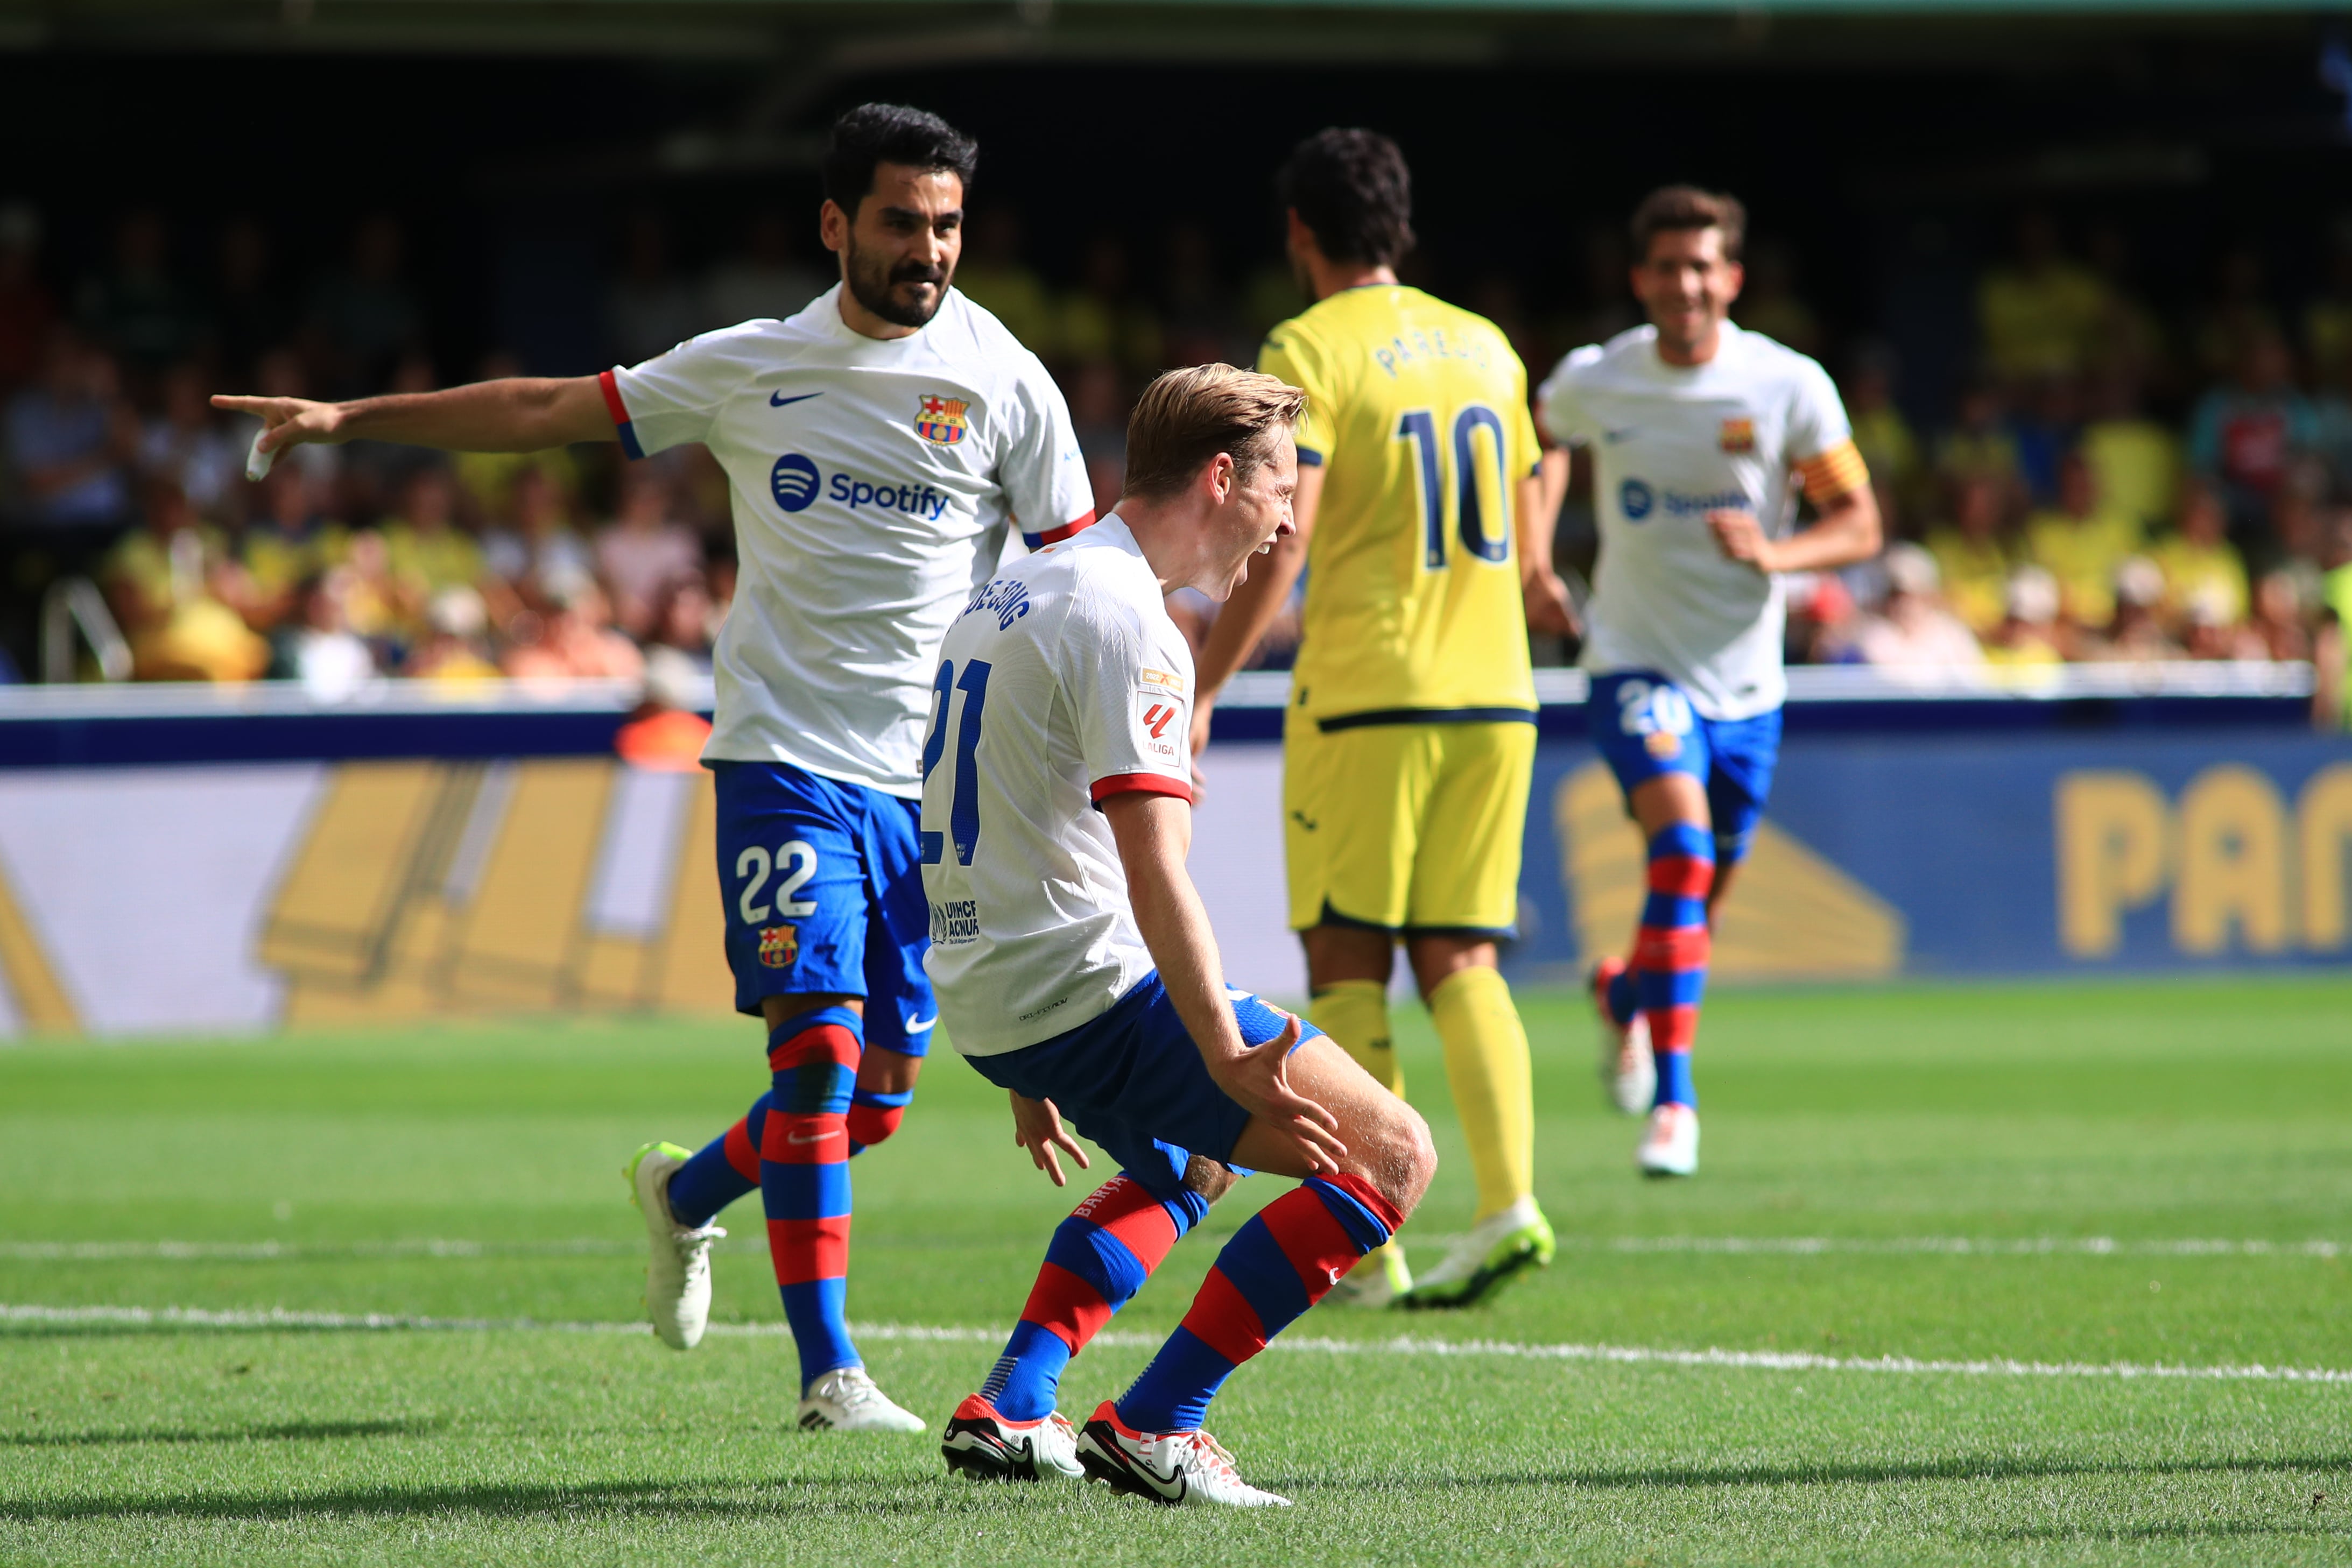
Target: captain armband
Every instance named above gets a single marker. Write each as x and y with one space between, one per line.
1838 471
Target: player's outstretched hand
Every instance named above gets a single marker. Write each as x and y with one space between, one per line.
1740 538
1037 1127
1260 1079
285 422
1550 609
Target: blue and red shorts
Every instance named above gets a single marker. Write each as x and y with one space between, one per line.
1132 1081
1644 726
823 886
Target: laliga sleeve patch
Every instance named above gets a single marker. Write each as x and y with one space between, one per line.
1160 726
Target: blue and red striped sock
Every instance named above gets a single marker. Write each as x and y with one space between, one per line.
1099 1259
874 1115
728 1167
1671 952
1275 1268
804 1180
721 1171
1618 986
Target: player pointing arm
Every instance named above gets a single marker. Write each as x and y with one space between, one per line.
877 447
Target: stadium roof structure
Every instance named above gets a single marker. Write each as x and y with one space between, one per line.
1221 31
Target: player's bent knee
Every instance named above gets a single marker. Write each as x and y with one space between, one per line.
1208 1177
1393 1151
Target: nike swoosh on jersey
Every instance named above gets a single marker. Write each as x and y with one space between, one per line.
777 400
923 1026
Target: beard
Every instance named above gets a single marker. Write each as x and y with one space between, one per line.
872 282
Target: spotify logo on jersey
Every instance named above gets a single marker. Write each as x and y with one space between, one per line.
794 481
1634 498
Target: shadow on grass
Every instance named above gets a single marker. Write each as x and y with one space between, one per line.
1960 1468
288 1432
832 1498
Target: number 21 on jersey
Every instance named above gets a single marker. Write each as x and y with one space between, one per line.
1467 469
963 804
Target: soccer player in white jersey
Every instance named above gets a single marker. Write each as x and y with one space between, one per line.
1695 430
878 447
1076 968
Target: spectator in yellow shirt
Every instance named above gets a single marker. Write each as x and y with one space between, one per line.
159 582
1884 438
993 276
1980 441
2043 314
424 543
1973 556
2080 542
2199 561
2135 461
2029 636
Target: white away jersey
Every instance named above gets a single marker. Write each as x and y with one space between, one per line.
1671 444
871 481
1062 682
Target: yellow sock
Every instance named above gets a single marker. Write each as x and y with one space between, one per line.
1487 1064
1356 1014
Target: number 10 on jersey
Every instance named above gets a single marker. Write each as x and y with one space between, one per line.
963 803
1419 427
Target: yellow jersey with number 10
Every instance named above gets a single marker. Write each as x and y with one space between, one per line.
1417 411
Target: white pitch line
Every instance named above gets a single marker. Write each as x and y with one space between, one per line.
1767 1245
1402 1345
1990 1247
279 1252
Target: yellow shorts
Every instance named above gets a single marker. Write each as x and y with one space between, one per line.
1406 827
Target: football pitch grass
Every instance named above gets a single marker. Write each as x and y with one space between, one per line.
2006 1274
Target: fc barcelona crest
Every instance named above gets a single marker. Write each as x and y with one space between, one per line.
1738 435
779 946
941 420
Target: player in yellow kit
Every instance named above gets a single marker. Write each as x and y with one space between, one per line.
1411 729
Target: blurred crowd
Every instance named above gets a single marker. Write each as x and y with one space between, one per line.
2113 482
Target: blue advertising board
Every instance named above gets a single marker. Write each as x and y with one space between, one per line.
1983 853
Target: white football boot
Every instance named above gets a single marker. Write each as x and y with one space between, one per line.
1498 1248
984 1445
678 1258
1379 1279
845 1400
1670 1147
1176 1468
1628 1070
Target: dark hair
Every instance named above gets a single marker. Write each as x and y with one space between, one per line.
876 133
1353 192
1672 207
1186 417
